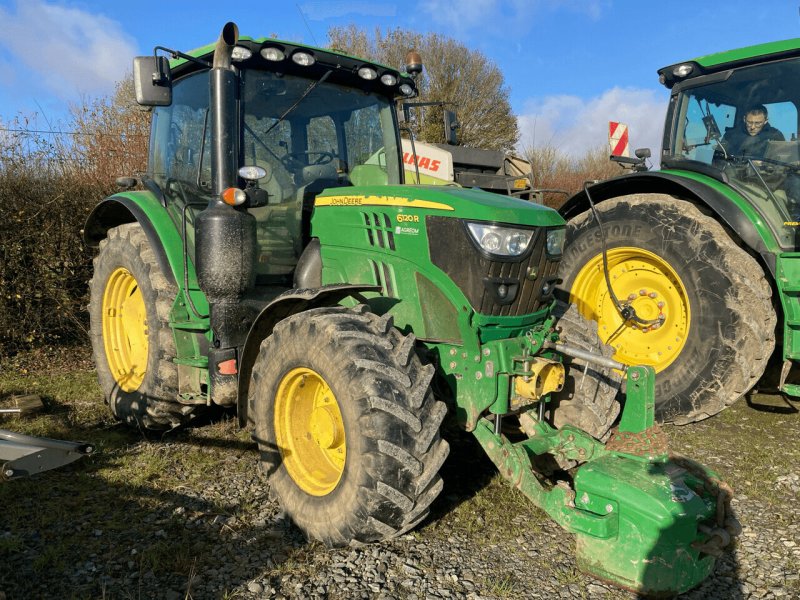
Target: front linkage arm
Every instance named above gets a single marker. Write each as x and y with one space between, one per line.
644 520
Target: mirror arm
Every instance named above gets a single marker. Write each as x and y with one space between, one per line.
178 54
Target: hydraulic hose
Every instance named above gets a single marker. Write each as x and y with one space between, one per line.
626 311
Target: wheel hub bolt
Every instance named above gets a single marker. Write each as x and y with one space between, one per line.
653 294
642 292
631 296
660 304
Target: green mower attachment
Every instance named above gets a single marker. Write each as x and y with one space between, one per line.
644 519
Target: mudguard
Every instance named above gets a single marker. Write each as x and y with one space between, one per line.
288 303
162 233
658 182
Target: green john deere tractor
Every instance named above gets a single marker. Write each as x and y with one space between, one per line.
702 255
276 263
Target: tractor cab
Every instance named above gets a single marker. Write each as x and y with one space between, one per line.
309 119
737 122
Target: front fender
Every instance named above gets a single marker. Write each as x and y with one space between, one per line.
285 305
162 233
697 190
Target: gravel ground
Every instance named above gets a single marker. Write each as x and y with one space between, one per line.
187 516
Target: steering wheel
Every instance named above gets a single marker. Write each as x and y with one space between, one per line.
772 161
745 160
323 158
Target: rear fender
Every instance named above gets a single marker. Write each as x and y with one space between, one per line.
164 237
680 187
285 305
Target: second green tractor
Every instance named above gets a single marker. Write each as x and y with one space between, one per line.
701 255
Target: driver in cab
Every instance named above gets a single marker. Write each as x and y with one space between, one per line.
751 138
751 141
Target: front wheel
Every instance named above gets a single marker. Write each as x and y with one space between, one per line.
710 322
347 426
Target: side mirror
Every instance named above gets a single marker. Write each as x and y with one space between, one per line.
450 126
152 80
642 153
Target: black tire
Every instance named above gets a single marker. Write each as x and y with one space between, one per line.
390 419
729 328
152 404
589 398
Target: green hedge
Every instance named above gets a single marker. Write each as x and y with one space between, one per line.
44 265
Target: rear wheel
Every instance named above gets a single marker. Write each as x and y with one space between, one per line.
347 426
132 343
714 324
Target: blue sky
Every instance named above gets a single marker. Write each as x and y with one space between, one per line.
570 65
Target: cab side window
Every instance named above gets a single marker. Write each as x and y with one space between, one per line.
783 116
180 152
700 119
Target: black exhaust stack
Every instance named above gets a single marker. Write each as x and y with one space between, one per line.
225 246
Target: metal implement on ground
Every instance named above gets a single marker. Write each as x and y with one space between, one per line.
276 262
25 455
702 254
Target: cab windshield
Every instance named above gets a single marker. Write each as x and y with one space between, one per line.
302 130
745 127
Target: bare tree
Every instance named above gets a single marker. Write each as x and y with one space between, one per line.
556 170
455 74
112 135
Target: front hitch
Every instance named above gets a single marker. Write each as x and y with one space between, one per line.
644 520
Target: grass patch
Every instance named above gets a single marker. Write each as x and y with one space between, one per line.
163 496
747 445
505 586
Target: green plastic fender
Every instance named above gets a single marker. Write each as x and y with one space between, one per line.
162 233
728 206
289 303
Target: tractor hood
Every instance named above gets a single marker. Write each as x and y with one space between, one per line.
459 203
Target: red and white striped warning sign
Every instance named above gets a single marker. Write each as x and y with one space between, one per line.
618 139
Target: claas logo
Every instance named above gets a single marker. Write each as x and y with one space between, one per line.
423 161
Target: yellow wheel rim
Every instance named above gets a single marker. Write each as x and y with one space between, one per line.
648 283
125 330
309 431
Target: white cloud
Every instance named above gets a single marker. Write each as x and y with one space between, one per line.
517 16
462 15
8 75
73 52
574 125
319 11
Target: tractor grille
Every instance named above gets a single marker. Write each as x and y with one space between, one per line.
379 229
452 250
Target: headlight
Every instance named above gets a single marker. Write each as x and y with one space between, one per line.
240 53
304 59
273 53
682 70
555 241
367 73
501 241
